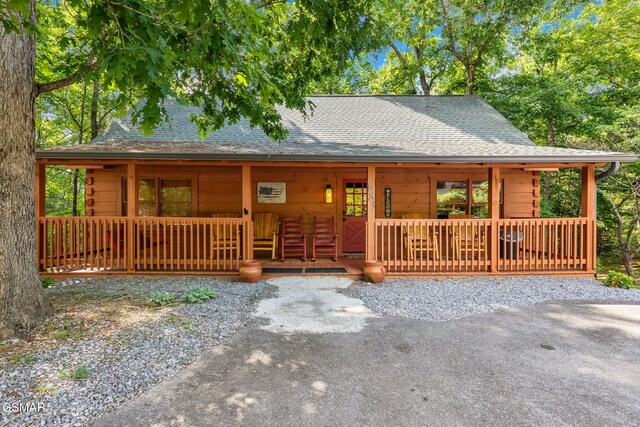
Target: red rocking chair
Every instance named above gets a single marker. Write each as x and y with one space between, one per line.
293 238
325 238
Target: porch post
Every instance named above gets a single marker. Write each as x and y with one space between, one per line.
41 190
588 206
247 213
132 212
41 210
371 214
494 215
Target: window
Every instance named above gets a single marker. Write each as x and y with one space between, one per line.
480 199
147 197
161 197
175 197
451 198
356 199
454 197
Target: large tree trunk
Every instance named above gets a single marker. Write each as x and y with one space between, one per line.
22 301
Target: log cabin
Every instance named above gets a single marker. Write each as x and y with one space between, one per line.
408 185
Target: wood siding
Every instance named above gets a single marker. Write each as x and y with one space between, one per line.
413 190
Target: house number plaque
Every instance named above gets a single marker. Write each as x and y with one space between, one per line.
387 203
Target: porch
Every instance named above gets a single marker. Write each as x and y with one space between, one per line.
491 225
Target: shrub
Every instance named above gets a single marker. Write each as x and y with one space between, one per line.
46 282
197 295
619 280
162 298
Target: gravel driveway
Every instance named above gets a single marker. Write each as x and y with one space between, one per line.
447 299
130 362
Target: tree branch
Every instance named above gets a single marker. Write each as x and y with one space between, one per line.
66 81
403 61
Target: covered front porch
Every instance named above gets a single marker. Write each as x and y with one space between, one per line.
416 219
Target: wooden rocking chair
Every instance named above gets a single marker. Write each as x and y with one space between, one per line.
420 239
325 238
293 237
224 237
265 232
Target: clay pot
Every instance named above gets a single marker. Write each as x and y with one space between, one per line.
250 270
374 271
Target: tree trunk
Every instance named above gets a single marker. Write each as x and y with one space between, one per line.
22 301
74 208
95 126
628 264
470 70
551 142
426 88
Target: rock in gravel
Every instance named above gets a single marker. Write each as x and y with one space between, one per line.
129 362
447 299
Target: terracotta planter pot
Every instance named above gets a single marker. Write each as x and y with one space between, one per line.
250 271
374 271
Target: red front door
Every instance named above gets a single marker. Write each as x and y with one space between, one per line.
354 215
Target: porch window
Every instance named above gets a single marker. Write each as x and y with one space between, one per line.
480 199
462 197
451 198
147 197
175 197
164 197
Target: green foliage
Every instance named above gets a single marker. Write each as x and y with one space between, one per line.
47 282
75 373
162 298
619 280
197 295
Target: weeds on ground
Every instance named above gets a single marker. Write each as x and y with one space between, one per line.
23 359
162 298
77 374
197 295
47 281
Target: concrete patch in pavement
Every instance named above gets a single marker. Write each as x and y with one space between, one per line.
312 305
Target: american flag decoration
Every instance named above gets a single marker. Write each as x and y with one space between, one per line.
272 192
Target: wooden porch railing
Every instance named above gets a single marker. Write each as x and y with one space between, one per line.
464 245
544 244
432 245
81 243
158 244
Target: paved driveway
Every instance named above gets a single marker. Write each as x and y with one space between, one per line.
551 364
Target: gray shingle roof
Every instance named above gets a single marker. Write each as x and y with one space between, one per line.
350 128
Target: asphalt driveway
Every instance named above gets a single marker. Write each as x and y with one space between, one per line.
554 364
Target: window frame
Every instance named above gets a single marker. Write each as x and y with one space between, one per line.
124 199
469 191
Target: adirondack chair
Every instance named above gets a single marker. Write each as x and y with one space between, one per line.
325 238
265 232
420 239
467 238
224 237
293 238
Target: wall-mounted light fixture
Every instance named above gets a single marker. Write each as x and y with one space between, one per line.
328 194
